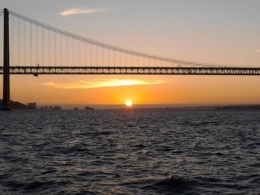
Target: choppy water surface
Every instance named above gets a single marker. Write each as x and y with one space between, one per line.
129 152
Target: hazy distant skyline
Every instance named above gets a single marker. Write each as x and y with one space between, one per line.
215 31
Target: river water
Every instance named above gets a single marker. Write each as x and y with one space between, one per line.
129 152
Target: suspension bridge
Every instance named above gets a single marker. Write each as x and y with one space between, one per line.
35 48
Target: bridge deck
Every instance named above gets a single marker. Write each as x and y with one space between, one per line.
36 70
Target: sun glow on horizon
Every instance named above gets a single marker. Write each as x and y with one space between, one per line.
128 103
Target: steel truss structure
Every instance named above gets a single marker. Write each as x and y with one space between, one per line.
36 70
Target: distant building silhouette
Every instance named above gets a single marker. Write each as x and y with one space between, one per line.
32 105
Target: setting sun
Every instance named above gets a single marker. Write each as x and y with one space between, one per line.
128 103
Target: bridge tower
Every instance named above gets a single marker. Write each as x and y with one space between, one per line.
6 63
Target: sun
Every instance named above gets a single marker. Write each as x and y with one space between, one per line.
128 103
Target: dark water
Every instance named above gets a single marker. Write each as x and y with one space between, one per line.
130 152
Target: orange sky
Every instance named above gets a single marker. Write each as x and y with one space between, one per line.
192 90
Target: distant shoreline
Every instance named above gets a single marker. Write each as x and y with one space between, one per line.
239 107
18 105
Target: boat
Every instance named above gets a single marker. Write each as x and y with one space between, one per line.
88 108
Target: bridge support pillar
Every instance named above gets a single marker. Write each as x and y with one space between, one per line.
6 63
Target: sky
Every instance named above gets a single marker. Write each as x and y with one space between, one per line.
215 31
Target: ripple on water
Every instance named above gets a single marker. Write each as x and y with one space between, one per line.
137 152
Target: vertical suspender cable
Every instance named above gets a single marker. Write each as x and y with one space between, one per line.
2 39
24 43
42 46
96 56
67 50
11 39
19 41
55 47
131 59
102 56
1 36
120 59
12 51
108 57
31 44
49 47
61 50
73 51
37 44
90 54
79 53
114 58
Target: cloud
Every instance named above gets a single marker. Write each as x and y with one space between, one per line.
101 83
82 11
257 50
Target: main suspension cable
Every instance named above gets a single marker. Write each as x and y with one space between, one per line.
107 46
